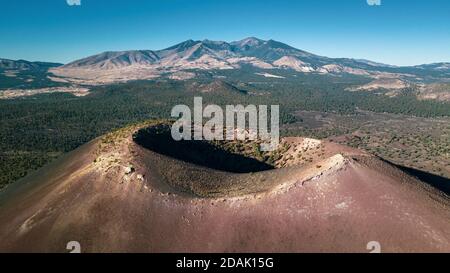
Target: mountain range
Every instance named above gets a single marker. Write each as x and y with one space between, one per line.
182 60
252 58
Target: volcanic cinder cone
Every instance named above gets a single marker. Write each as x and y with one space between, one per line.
114 195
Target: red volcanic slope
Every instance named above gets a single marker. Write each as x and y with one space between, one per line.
339 206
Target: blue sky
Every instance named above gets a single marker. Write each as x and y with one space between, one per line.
401 32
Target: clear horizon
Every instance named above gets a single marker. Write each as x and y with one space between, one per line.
400 32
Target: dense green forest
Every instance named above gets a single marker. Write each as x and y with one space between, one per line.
37 129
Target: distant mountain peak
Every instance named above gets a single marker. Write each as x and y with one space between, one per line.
250 41
183 45
277 44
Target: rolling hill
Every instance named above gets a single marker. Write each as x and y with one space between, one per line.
23 74
6 64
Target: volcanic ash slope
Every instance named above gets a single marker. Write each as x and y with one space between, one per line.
113 195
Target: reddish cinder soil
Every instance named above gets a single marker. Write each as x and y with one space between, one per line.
350 199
